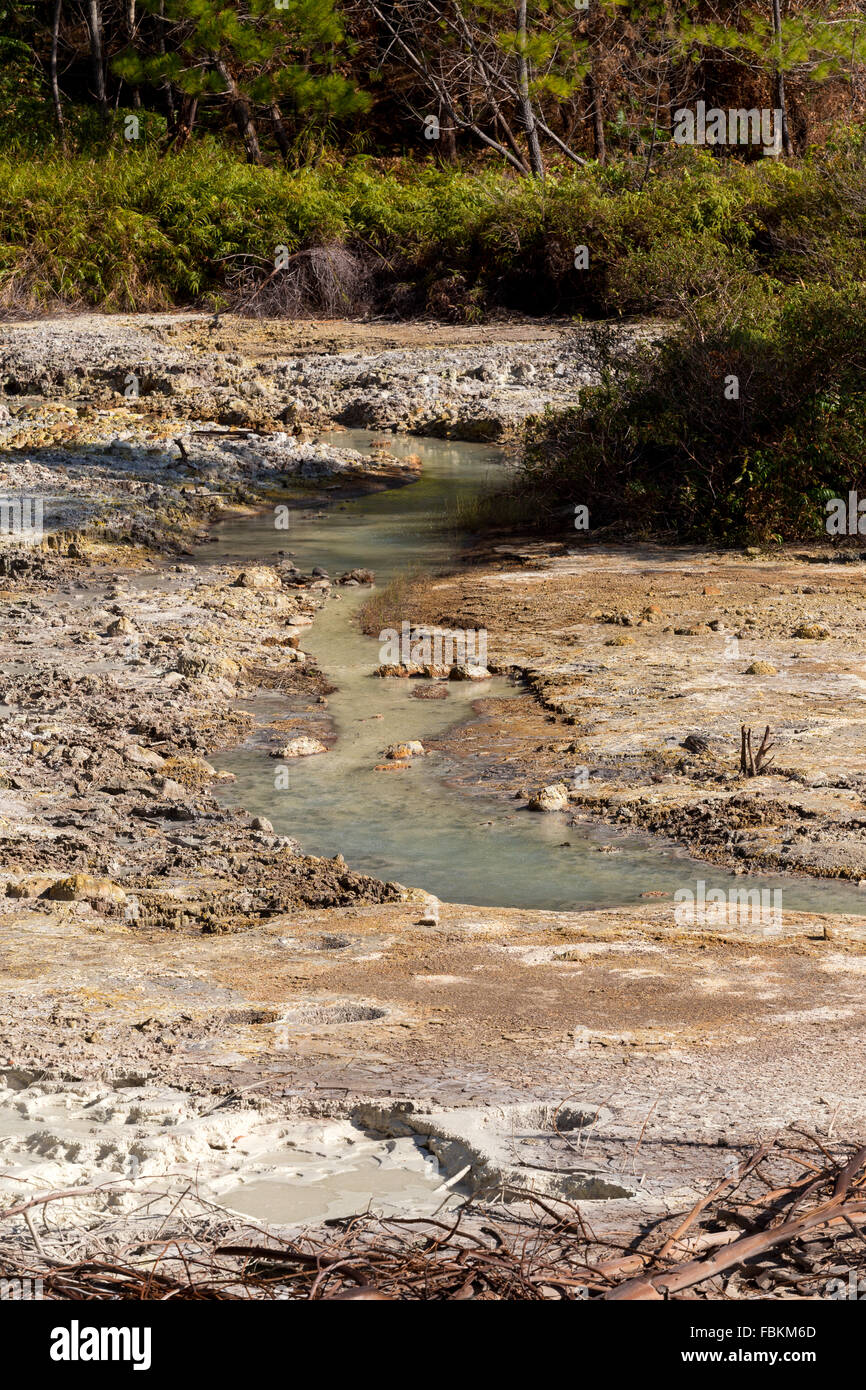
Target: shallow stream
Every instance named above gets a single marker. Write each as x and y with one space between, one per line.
414 826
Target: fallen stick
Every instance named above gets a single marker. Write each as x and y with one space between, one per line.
742 1171
697 1271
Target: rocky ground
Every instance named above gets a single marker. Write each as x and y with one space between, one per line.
448 382
644 664
154 938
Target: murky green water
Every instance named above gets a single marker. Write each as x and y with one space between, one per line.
412 826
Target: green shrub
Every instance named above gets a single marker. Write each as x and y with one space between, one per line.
665 447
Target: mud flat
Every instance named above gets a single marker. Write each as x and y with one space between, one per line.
173 966
643 664
675 1050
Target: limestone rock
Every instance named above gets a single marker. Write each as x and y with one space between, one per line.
33 886
466 672
551 798
143 757
85 888
399 669
301 747
171 789
398 751
258 578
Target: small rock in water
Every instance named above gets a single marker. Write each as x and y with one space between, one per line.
302 747
399 751
552 798
399 669
463 672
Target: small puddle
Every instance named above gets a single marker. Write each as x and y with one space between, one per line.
395 1177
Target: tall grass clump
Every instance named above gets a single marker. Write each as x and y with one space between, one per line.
391 604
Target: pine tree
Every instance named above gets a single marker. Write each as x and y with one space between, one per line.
257 55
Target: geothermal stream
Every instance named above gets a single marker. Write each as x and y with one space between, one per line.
413 827
281 1162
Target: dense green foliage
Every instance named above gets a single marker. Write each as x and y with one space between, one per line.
133 230
670 448
519 80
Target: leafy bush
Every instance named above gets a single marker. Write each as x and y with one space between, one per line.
665 446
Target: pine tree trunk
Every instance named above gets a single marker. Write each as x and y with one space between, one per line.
169 94
447 137
280 135
598 140
130 36
781 104
94 25
241 113
536 163
183 124
55 85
